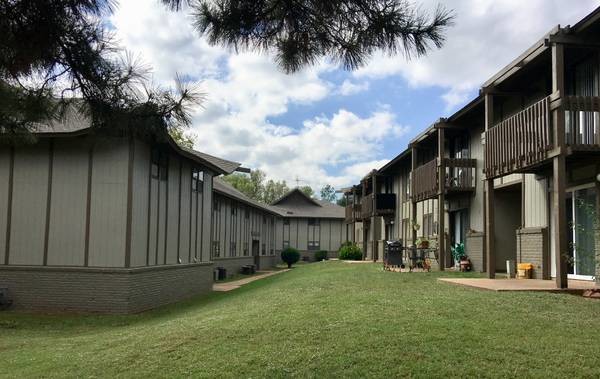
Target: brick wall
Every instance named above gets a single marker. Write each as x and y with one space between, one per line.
92 290
474 247
532 247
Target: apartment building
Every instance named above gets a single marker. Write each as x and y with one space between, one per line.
514 174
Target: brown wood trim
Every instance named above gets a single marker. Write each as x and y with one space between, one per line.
191 214
48 200
157 217
129 221
11 171
88 206
179 212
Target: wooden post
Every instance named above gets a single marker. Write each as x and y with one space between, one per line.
441 200
374 232
559 171
413 216
490 248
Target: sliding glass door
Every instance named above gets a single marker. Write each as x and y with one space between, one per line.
581 214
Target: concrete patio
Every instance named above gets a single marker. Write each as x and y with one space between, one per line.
575 286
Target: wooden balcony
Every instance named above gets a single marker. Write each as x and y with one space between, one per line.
424 181
353 213
525 140
385 204
459 178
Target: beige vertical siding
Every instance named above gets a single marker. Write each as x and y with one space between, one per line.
109 203
278 233
302 233
153 247
66 233
139 220
477 201
207 200
185 212
173 208
326 229
4 174
535 202
29 205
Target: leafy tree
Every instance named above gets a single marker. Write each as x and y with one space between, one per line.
57 56
250 185
307 190
342 201
302 32
328 193
182 138
274 190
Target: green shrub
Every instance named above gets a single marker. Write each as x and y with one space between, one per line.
350 252
290 256
321 255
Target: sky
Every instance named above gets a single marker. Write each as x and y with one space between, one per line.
325 125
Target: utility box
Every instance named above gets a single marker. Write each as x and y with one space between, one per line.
524 271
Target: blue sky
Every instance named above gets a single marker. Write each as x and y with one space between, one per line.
325 125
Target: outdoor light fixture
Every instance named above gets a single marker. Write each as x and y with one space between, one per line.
598 177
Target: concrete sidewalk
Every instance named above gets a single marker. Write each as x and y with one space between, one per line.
575 286
230 286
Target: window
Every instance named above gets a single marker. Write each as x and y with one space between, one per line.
197 179
233 210
232 252
314 233
263 250
216 249
247 214
246 251
286 221
286 244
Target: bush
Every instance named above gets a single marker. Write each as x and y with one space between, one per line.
350 252
321 255
290 256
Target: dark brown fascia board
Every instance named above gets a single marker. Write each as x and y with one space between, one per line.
245 170
587 21
527 56
403 155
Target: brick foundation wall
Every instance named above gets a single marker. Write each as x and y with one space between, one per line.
98 290
474 247
532 247
234 265
310 255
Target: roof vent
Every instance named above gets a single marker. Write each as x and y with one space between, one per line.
290 212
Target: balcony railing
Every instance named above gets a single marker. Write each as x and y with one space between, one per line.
521 140
582 121
460 177
524 139
425 181
460 174
385 204
353 213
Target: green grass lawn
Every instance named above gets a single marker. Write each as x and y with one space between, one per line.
330 319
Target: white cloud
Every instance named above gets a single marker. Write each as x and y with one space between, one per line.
349 88
486 36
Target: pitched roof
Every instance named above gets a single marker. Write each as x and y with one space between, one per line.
289 206
75 123
222 187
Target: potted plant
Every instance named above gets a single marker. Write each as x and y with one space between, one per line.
458 254
422 243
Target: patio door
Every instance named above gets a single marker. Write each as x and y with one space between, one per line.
581 214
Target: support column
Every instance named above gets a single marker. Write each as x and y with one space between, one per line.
441 200
375 227
413 216
559 211
490 246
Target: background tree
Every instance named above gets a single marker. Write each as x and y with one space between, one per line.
57 56
250 185
328 193
307 190
342 201
182 138
301 32
274 190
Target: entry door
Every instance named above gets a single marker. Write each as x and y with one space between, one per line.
256 253
581 211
